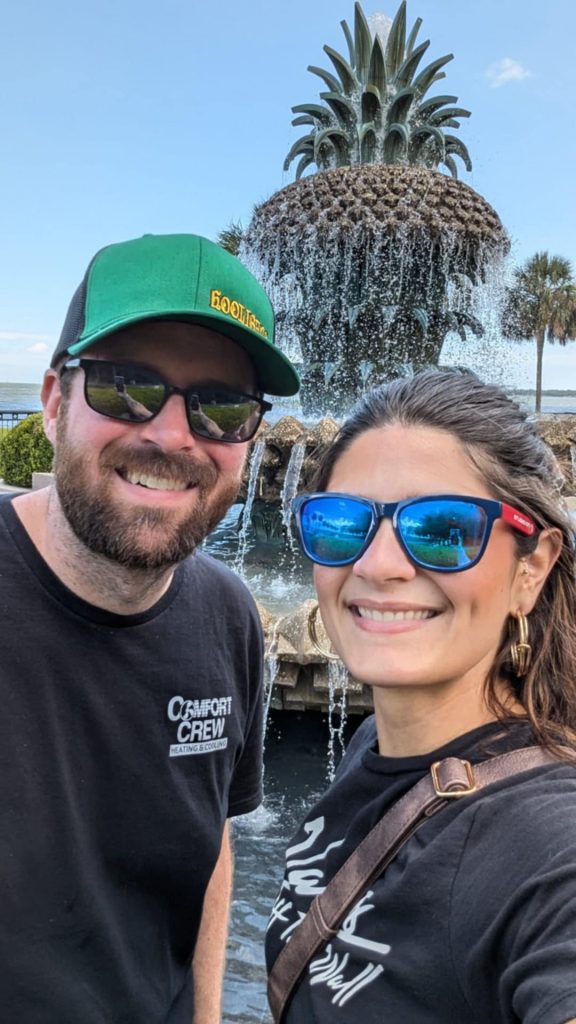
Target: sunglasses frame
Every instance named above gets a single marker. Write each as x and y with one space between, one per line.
169 390
391 510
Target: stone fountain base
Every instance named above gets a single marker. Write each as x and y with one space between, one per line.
302 678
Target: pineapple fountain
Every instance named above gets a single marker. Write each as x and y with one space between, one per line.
375 258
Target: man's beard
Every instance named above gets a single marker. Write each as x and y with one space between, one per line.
138 538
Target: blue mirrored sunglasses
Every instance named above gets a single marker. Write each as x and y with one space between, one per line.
443 532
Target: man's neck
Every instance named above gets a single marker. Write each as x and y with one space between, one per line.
90 576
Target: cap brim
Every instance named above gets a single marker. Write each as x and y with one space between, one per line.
276 374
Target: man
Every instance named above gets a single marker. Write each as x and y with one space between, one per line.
130 662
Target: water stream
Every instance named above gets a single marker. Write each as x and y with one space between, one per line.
291 480
337 695
255 463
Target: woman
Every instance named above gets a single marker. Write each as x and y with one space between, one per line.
456 602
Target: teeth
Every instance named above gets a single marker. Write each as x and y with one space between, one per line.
377 616
155 483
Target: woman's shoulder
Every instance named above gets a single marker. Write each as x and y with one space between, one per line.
365 738
527 819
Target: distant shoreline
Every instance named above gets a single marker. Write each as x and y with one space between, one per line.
550 392
22 397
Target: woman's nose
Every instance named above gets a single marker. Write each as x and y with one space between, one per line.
385 558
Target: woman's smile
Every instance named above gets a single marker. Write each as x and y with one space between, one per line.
390 617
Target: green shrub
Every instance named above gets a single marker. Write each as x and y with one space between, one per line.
25 450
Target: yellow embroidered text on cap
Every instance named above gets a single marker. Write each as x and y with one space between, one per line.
230 307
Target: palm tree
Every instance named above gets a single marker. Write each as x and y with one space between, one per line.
541 305
230 238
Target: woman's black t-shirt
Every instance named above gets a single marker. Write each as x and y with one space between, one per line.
474 921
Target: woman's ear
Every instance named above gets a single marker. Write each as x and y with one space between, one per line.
51 396
534 569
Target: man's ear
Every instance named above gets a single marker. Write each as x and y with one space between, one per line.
534 569
51 396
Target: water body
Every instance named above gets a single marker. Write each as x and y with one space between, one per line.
14 397
296 771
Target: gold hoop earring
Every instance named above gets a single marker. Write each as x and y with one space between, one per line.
312 633
521 650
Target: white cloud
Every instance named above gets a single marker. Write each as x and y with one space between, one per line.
506 70
24 336
38 347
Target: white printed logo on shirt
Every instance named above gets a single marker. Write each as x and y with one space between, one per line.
305 877
200 724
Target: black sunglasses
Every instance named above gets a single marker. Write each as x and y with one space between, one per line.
136 394
444 532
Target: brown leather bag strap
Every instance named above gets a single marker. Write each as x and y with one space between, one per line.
449 779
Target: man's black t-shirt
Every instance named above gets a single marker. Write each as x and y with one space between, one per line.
126 741
475 919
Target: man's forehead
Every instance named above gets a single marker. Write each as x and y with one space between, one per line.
167 343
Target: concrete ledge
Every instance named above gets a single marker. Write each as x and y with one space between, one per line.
40 480
7 489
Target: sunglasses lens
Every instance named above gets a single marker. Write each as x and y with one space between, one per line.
126 392
224 416
123 392
334 529
443 534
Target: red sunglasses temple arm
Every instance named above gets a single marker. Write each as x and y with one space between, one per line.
518 520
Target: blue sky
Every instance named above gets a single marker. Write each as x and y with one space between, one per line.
125 116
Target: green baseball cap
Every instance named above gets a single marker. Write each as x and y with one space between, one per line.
177 277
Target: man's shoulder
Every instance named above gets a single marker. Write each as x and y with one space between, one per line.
202 569
10 525
6 499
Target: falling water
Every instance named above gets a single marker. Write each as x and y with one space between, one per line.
255 461
270 671
337 693
495 361
291 480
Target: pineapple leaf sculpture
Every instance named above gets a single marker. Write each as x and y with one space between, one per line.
374 110
374 258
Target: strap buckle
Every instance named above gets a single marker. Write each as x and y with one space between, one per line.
456 785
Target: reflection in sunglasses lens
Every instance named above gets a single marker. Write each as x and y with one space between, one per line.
232 418
335 529
442 534
123 392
